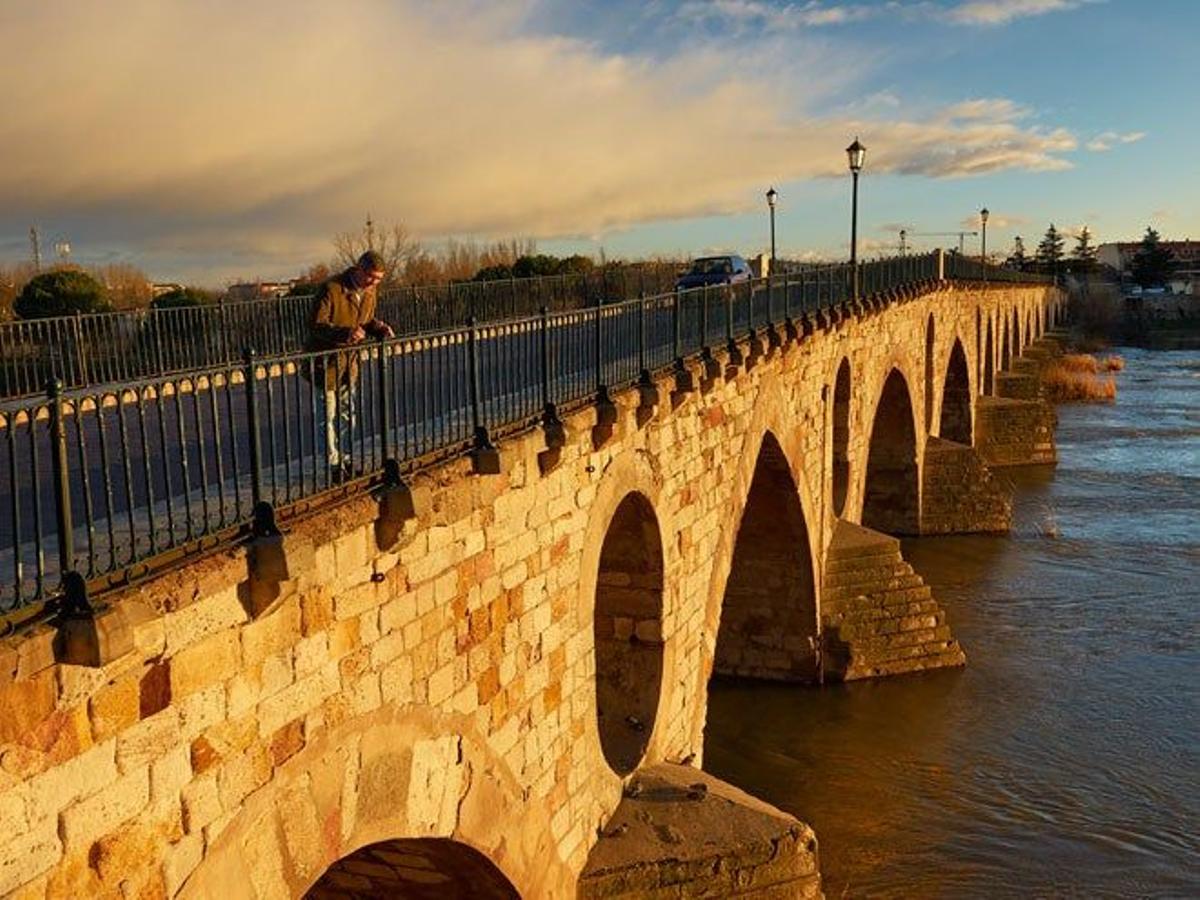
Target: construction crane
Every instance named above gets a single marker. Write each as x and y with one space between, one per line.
905 234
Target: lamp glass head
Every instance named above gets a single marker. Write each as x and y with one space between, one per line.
856 153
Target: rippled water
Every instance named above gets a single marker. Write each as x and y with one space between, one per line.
1064 761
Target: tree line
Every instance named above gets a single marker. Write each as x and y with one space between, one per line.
1152 265
69 289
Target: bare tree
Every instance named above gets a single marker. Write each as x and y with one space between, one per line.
126 286
392 242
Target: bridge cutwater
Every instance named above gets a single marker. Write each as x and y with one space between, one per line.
478 662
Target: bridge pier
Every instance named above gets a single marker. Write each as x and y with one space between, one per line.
959 494
1016 426
679 832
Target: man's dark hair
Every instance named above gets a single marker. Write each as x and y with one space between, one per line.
371 261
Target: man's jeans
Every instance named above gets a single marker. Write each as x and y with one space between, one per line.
339 422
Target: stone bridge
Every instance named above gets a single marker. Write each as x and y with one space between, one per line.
447 691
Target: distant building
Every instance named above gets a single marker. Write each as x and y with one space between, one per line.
1186 278
164 287
256 290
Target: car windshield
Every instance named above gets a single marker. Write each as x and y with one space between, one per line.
713 265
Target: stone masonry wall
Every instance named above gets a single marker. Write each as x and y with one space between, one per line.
442 687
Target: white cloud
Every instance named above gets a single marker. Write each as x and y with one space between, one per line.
1001 12
239 133
997 221
814 14
774 16
1105 140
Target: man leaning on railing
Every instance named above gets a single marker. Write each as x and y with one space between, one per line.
343 314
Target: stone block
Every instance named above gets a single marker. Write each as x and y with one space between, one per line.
115 707
82 776
208 615
214 659
201 803
435 786
26 704
180 860
287 742
240 775
35 652
150 739
102 812
272 633
27 854
296 700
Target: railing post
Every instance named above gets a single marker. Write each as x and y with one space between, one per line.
544 340
599 345
80 356
677 325
62 479
642 337
156 331
729 318
249 373
385 406
940 264
484 455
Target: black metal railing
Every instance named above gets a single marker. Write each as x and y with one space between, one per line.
118 347
970 268
103 481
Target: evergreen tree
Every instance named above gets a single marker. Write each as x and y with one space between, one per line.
60 293
1083 257
1153 263
1050 250
182 297
1017 259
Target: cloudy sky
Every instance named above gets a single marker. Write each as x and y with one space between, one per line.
215 140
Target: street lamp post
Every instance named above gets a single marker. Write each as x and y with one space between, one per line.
856 153
983 217
771 195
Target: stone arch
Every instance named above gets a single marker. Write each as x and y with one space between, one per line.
400 772
978 346
1029 335
929 337
769 614
415 868
955 424
1017 346
841 437
1005 337
989 361
772 412
628 631
891 490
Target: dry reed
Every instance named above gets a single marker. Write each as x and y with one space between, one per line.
1078 362
1076 378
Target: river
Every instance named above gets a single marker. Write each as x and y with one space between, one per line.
1064 760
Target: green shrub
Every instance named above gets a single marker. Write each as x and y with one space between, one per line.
61 293
181 297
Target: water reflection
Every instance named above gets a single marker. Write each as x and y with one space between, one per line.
1063 761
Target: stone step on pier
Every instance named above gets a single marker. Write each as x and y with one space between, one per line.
878 617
